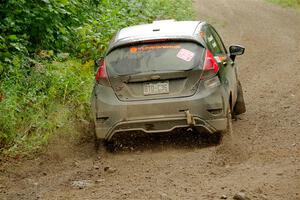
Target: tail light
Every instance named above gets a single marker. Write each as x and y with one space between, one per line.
101 76
210 67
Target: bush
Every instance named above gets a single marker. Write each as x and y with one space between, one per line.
41 100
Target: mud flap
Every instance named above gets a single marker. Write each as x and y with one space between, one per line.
239 106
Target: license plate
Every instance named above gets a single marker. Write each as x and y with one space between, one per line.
156 88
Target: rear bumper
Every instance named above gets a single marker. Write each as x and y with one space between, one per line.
154 116
160 125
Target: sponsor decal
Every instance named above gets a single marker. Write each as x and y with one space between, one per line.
185 55
152 47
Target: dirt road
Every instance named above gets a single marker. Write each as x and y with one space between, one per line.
262 158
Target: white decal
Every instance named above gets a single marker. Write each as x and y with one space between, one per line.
214 45
185 55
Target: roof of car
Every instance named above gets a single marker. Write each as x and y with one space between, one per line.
159 28
164 29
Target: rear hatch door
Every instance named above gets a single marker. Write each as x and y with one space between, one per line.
155 70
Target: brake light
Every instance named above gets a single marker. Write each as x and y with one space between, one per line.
101 76
210 63
210 67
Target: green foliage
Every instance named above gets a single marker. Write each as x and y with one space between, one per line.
288 3
81 27
94 35
42 99
43 89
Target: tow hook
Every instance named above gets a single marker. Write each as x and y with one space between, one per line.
189 118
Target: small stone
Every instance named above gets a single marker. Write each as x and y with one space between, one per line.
264 197
258 190
223 196
81 184
96 167
100 180
110 169
126 193
76 164
241 196
164 196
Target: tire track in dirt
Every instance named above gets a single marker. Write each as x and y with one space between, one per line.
262 157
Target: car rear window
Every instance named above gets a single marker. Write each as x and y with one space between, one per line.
143 58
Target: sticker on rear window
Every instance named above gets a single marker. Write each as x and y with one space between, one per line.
185 55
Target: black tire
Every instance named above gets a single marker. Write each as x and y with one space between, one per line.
110 146
239 106
103 146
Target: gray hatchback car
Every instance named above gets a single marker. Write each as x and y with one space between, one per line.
166 75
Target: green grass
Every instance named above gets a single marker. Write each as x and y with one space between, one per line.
43 93
55 96
287 3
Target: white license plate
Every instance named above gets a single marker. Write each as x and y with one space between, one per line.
156 88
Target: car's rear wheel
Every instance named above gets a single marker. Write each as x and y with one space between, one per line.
239 106
102 146
99 144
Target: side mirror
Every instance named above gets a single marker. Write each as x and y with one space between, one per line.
98 62
236 50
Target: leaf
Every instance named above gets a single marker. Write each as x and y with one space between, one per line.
12 37
7 60
46 1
